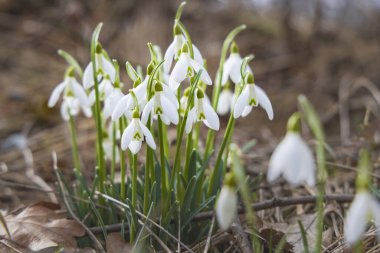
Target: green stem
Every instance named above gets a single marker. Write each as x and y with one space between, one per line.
212 183
216 92
98 119
166 142
74 144
113 161
189 148
163 163
146 186
122 164
134 181
175 171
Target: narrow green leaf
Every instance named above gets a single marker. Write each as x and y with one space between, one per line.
180 10
132 73
98 217
304 237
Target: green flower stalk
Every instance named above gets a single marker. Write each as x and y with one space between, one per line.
315 125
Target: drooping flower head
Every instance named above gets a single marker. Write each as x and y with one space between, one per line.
104 68
202 111
232 66
174 49
226 205
163 103
74 96
252 96
365 208
135 133
186 66
292 158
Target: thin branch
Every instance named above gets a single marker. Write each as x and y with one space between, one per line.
272 203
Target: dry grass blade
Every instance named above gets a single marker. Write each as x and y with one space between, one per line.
39 226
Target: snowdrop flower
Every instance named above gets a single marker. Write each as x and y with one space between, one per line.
134 134
252 95
226 205
104 68
363 209
225 101
69 86
164 104
232 66
127 103
71 107
111 101
202 111
183 67
292 158
174 50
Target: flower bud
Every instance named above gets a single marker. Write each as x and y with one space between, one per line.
226 206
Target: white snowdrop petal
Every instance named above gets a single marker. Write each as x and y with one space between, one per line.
197 55
91 97
246 111
120 107
264 101
170 95
88 76
180 69
276 163
173 84
108 68
126 138
225 101
79 93
56 93
87 111
170 110
65 111
204 75
168 57
147 111
235 73
293 159
241 102
211 117
356 218
141 90
226 70
190 119
135 146
226 207
148 136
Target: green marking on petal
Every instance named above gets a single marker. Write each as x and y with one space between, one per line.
137 136
253 102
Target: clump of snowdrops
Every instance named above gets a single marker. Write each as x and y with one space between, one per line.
162 186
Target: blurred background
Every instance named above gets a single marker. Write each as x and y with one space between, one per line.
328 50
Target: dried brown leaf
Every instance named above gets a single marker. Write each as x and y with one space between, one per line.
116 244
39 226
